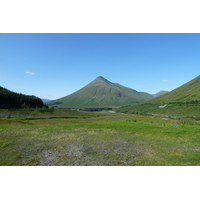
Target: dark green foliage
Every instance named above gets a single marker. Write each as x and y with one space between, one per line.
95 109
9 99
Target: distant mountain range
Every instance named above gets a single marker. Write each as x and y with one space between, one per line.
102 93
45 100
160 93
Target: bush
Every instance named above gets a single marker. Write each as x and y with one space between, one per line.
8 116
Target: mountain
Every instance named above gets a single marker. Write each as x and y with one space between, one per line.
101 93
46 100
160 93
183 101
9 99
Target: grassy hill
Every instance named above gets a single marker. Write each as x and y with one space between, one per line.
183 101
185 93
101 93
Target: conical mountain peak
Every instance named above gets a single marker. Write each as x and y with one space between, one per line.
100 79
101 93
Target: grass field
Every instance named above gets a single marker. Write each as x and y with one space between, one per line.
64 137
178 111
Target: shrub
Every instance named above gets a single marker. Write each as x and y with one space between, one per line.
8 116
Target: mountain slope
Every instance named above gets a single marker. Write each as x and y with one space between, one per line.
101 93
183 101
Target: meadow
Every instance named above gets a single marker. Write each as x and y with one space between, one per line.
62 137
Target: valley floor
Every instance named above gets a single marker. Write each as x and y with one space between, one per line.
71 138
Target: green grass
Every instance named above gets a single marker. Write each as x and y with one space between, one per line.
101 139
171 110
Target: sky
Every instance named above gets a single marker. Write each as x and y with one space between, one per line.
53 65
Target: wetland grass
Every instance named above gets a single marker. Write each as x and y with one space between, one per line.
100 139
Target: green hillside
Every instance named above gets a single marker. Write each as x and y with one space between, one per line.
9 99
183 101
101 93
185 93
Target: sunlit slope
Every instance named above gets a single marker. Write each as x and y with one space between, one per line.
185 93
185 101
101 93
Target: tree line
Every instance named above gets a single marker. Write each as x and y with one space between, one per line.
95 109
9 99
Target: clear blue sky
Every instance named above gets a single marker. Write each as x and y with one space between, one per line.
55 65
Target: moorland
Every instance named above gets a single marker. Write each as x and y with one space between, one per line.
64 137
